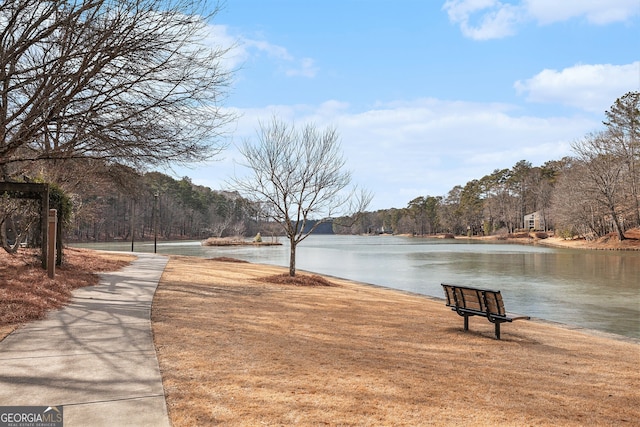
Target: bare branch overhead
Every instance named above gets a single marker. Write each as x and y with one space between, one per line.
129 81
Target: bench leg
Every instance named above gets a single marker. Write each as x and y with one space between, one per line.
497 330
466 323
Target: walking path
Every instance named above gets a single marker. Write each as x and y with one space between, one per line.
95 357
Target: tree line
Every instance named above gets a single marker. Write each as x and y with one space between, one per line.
154 205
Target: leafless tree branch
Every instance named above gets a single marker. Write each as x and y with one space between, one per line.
129 81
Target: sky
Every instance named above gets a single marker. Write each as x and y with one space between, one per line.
424 94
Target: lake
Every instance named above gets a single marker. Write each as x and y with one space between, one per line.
591 289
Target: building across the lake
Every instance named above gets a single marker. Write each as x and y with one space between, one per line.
534 221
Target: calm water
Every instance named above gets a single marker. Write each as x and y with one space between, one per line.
593 289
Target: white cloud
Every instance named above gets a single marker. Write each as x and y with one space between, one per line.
435 145
449 133
484 19
591 88
492 19
242 49
305 68
403 150
460 10
272 50
595 11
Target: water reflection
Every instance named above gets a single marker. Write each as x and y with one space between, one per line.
592 289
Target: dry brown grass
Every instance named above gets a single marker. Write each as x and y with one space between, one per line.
237 350
27 293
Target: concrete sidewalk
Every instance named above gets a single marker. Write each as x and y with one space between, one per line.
94 357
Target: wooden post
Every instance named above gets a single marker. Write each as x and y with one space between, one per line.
51 244
59 242
44 223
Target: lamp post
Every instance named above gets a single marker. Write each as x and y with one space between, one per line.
155 224
133 224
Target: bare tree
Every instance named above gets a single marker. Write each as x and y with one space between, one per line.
574 207
220 224
130 81
604 174
299 175
239 228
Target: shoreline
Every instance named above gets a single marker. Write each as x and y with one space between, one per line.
609 242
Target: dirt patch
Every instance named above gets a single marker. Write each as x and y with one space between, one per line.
227 259
297 280
236 350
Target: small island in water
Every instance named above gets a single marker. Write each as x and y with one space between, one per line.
240 241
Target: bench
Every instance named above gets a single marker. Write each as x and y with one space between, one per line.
467 302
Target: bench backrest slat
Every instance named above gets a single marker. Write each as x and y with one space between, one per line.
494 302
449 292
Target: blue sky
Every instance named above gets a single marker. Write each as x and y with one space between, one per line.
426 94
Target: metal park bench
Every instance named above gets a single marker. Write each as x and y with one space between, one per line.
467 302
